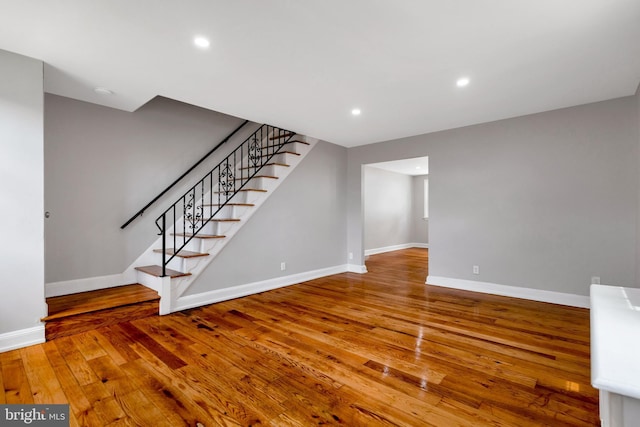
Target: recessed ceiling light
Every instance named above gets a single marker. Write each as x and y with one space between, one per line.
102 91
356 111
418 167
462 81
201 42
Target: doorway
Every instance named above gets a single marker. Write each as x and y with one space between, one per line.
395 206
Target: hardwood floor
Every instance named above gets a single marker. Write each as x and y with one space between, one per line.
356 350
85 311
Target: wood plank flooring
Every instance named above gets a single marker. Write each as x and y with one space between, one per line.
87 302
81 312
377 349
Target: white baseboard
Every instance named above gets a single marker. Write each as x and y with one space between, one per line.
511 291
354 268
67 287
21 338
392 248
197 300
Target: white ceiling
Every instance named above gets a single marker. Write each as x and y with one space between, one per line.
414 166
305 64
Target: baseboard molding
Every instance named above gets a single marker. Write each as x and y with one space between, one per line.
211 297
392 248
67 287
21 338
354 268
511 291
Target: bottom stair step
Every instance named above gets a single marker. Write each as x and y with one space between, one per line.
156 270
81 312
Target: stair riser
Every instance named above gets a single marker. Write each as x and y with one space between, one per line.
183 264
272 170
194 245
225 212
246 197
285 158
218 228
294 147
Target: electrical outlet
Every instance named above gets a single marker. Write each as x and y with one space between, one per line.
350 255
283 266
476 269
595 280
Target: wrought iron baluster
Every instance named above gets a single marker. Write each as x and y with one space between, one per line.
164 245
210 195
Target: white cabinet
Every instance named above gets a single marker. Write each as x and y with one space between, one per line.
615 353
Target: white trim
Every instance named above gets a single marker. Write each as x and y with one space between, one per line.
354 268
67 287
197 300
511 291
392 248
21 338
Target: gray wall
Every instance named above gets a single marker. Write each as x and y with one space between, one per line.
102 165
637 97
301 223
21 193
388 208
420 225
542 201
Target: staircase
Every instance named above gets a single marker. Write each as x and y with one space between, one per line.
200 224
192 232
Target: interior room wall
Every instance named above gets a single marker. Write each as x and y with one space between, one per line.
388 208
637 98
420 224
102 165
301 224
543 201
21 197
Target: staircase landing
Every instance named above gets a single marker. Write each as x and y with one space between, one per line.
81 312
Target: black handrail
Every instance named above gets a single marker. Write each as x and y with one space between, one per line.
215 189
141 211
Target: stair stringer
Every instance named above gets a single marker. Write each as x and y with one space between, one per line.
170 290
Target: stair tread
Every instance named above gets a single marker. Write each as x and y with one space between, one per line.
282 135
267 164
259 176
156 270
229 204
244 189
181 254
293 153
101 299
220 220
200 235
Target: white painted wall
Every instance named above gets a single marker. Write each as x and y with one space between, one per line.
637 98
542 201
21 199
